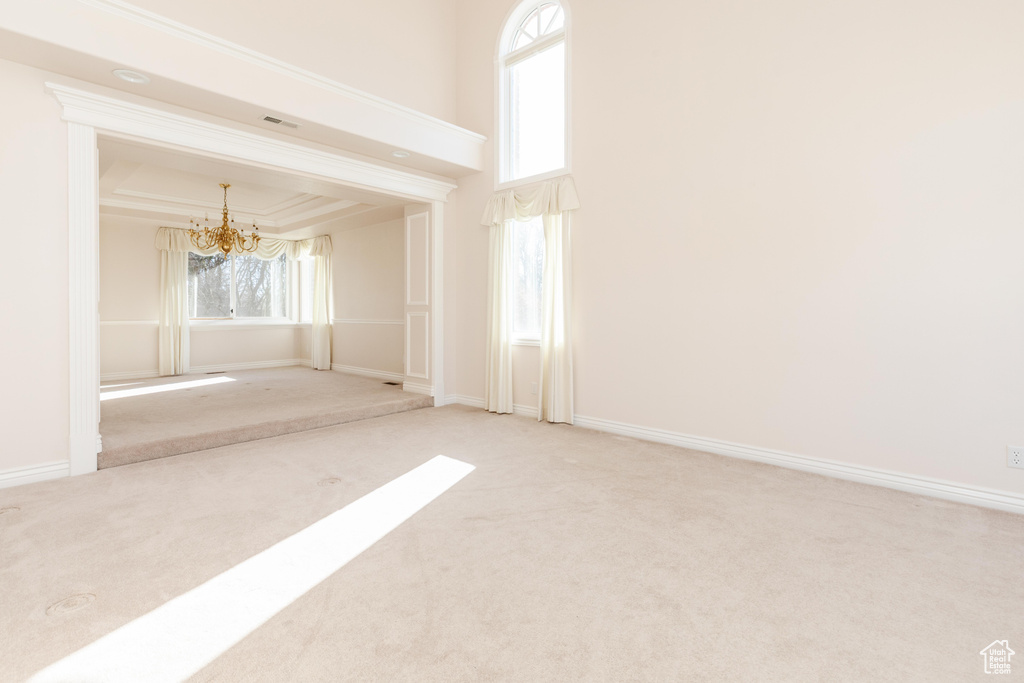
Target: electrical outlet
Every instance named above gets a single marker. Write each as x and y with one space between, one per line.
1015 456
533 388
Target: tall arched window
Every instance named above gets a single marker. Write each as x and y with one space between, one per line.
533 122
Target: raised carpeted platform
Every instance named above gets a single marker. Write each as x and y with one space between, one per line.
155 418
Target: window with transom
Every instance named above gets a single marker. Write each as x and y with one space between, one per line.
533 93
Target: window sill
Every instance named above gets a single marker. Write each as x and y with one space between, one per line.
526 342
211 325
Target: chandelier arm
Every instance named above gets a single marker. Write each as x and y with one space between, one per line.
225 237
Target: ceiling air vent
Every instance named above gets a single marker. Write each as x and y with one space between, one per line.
280 122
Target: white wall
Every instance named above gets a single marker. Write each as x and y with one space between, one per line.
130 305
802 225
369 277
34 282
401 50
129 297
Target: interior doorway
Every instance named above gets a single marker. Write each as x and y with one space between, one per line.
93 119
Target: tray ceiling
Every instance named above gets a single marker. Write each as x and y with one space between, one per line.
149 182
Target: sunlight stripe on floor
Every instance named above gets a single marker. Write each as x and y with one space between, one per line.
173 386
182 636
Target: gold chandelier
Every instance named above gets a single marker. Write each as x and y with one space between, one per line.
225 237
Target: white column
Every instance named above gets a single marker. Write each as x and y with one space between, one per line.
83 297
437 301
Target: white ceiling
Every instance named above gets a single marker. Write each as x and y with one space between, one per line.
155 183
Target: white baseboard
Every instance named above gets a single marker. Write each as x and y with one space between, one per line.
517 409
414 388
34 473
202 369
527 411
911 483
135 374
255 365
367 372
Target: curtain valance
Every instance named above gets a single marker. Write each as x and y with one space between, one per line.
550 197
177 240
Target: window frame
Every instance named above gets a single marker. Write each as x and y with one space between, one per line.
506 58
291 302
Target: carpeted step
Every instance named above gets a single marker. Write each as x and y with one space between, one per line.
162 448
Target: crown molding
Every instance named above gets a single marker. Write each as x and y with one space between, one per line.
136 121
177 29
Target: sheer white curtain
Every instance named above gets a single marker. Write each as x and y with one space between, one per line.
174 245
323 302
174 330
553 200
498 374
554 394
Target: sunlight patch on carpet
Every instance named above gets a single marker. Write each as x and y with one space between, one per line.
142 391
182 636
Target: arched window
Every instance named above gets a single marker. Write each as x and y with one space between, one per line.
532 93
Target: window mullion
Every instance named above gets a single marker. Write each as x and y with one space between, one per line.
234 293
533 48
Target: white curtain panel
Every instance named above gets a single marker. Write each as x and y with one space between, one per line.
174 245
323 302
174 329
554 395
551 199
498 375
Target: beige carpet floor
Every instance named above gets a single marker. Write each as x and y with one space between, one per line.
567 555
255 404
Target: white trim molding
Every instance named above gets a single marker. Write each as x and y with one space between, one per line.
425 361
203 369
436 261
525 411
88 115
130 374
355 321
135 121
83 297
422 239
909 483
128 323
367 372
253 365
517 409
34 473
416 388
238 324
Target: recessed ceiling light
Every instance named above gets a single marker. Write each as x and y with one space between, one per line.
400 153
131 76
